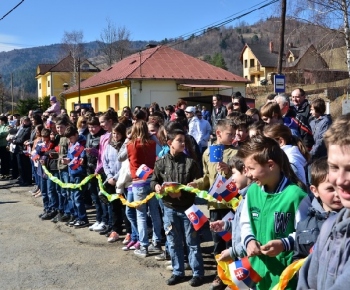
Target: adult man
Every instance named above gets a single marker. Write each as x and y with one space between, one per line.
205 129
301 104
219 112
73 117
292 119
193 125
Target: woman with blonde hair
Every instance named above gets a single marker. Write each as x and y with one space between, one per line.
82 126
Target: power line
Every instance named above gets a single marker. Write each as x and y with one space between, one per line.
201 31
11 10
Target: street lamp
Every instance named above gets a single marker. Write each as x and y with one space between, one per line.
79 81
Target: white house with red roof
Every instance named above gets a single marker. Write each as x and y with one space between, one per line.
157 74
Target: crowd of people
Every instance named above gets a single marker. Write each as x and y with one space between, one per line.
276 155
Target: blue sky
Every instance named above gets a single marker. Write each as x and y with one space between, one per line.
37 22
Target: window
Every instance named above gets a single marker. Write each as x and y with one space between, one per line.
85 67
89 101
108 101
245 63
252 78
40 86
291 59
116 102
258 78
96 105
48 84
252 61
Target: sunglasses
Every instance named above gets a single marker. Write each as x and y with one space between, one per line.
236 104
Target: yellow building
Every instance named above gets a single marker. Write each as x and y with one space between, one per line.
53 79
157 74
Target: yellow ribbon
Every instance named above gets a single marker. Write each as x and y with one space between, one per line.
288 273
233 203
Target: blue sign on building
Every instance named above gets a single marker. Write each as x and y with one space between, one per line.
280 83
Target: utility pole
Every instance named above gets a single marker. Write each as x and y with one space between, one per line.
12 91
79 81
282 29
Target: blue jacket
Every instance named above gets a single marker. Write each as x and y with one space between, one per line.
319 127
111 165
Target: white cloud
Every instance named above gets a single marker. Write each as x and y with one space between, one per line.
8 42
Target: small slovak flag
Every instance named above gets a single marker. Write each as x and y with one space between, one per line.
228 190
243 275
76 149
144 172
34 155
196 217
219 181
225 235
74 164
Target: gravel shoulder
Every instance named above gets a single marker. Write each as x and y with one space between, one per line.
36 254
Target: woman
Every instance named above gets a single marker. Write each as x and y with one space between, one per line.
239 103
82 126
4 153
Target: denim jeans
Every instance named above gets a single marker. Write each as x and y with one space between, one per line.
140 190
66 199
78 200
101 208
131 215
54 192
179 226
44 194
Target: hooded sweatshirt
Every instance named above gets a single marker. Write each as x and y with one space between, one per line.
328 267
296 160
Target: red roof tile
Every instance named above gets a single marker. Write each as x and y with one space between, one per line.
160 62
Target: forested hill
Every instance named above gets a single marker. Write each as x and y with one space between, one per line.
221 46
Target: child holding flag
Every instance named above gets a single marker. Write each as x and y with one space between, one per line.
176 166
270 211
74 160
225 132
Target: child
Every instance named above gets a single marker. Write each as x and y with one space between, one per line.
92 149
74 160
224 133
242 123
297 153
328 267
142 150
236 250
111 167
325 204
270 210
177 167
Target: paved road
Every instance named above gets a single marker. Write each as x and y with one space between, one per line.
36 254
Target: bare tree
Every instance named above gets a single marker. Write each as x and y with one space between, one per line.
114 42
72 44
328 13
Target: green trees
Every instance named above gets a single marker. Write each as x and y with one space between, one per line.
217 59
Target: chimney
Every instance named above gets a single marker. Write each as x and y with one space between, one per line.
151 45
271 46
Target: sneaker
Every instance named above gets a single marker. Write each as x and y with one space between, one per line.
100 227
170 267
73 222
40 215
174 279
106 231
35 189
136 246
155 248
167 263
49 215
196 281
81 224
38 194
142 252
217 284
162 257
92 227
127 239
65 218
71 219
129 246
113 237
57 218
